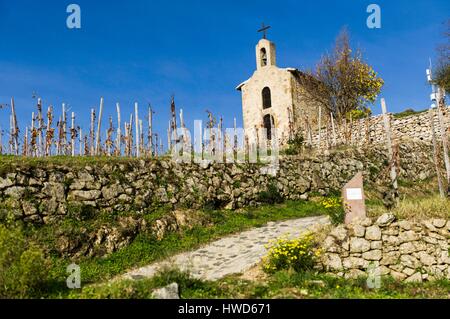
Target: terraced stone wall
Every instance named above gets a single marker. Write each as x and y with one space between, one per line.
405 250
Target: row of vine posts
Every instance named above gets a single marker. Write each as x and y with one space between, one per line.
44 137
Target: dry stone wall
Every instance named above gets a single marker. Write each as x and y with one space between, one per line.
415 127
44 191
405 250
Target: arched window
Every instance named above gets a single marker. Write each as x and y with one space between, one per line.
268 121
263 57
266 98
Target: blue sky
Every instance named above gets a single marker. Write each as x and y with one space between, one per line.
145 51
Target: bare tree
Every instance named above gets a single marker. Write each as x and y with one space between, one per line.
341 81
442 72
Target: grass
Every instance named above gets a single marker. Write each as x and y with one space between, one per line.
418 208
9 161
146 248
418 201
283 284
63 160
407 112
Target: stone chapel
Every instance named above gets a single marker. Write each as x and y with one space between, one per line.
271 97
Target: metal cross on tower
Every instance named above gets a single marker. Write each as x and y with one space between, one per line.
264 30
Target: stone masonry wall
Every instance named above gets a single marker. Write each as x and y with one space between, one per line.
405 250
43 191
371 131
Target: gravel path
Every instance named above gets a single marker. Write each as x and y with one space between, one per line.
232 254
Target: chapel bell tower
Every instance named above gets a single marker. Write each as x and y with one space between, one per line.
265 50
265 54
269 96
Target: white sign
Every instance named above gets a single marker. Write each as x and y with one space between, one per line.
354 194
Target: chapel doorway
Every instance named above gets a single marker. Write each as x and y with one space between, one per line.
268 123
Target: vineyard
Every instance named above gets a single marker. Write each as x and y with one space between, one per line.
44 136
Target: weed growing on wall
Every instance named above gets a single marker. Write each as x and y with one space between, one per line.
294 145
334 209
270 196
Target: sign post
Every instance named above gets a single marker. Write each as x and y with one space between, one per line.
354 199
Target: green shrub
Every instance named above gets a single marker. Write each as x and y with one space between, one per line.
23 267
143 289
334 209
80 212
407 112
294 145
214 204
359 114
297 254
271 196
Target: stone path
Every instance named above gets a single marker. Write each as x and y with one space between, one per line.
232 254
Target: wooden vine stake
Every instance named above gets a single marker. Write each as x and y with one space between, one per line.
1 141
130 136
235 139
150 130
11 133
333 127
99 124
119 132
109 141
141 138
49 132
32 138
436 154
392 161
58 143
320 128
441 109
327 135
80 141
182 126
40 124
14 128
211 150
173 123
126 138
156 145
73 134
63 145
169 143
367 129
25 143
136 121
91 133
219 143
